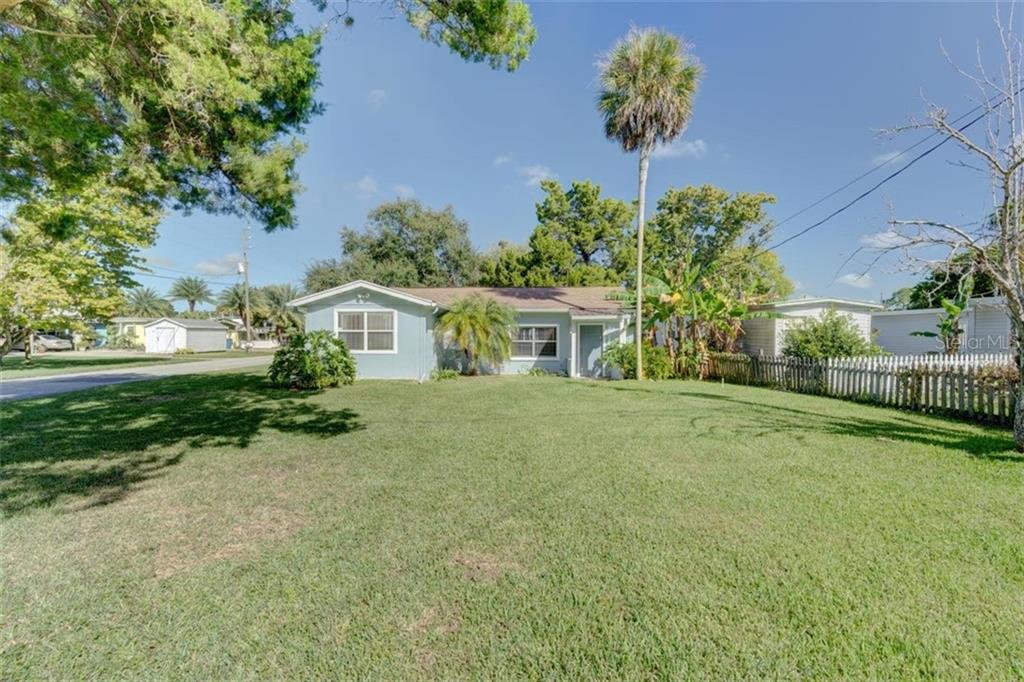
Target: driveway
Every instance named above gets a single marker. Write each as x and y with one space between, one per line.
37 387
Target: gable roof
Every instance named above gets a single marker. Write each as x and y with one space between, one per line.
190 323
580 300
360 284
558 299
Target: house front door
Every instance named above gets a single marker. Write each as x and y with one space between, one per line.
591 344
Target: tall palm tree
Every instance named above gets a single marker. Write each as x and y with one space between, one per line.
232 302
193 290
648 83
146 302
481 327
282 317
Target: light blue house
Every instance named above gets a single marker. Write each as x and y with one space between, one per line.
390 330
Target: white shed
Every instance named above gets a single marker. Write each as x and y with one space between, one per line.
167 335
985 323
767 335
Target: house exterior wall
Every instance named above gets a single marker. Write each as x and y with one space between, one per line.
988 331
759 336
558 364
894 332
414 356
767 336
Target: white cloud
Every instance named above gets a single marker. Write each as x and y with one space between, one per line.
377 98
695 149
365 187
536 174
857 281
882 159
502 159
218 267
886 239
403 191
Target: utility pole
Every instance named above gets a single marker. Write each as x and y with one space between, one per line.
244 267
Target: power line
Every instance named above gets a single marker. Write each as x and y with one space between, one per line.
987 105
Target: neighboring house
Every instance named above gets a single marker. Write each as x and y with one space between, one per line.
390 330
767 335
986 326
262 337
129 327
168 334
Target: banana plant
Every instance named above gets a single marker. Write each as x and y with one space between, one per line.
949 329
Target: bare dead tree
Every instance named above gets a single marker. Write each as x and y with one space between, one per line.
994 141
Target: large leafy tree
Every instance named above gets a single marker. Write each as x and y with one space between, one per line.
705 227
481 327
403 243
579 240
51 282
200 99
192 290
146 302
648 84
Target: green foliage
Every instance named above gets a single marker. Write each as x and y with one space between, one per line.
657 363
275 311
499 32
648 83
315 360
833 335
146 302
444 374
707 227
65 281
192 290
124 342
184 351
579 240
190 101
481 327
541 372
945 282
403 243
949 329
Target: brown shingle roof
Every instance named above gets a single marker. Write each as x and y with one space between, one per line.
583 300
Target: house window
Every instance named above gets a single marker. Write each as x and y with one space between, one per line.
367 331
535 342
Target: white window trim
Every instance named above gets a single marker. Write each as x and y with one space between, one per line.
543 358
394 326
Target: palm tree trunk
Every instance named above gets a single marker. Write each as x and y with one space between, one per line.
645 153
191 306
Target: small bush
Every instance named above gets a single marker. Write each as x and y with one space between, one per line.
657 365
541 372
184 351
444 374
833 335
124 342
312 361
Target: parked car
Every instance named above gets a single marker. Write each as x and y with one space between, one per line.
49 342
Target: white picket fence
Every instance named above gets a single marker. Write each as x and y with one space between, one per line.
977 387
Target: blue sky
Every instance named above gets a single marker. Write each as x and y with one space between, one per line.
792 103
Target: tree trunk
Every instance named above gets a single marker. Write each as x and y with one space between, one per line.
29 342
641 198
1018 410
191 306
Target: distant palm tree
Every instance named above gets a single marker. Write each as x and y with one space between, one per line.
648 82
193 290
146 302
232 302
282 317
481 327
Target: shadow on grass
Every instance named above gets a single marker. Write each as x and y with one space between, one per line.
99 445
898 427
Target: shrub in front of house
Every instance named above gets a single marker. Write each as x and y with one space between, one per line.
443 374
833 335
312 361
657 364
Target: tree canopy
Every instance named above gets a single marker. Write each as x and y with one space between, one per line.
403 243
579 240
943 282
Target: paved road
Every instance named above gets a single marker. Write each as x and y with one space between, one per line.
37 387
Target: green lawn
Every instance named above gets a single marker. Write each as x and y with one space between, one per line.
208 527
15 367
